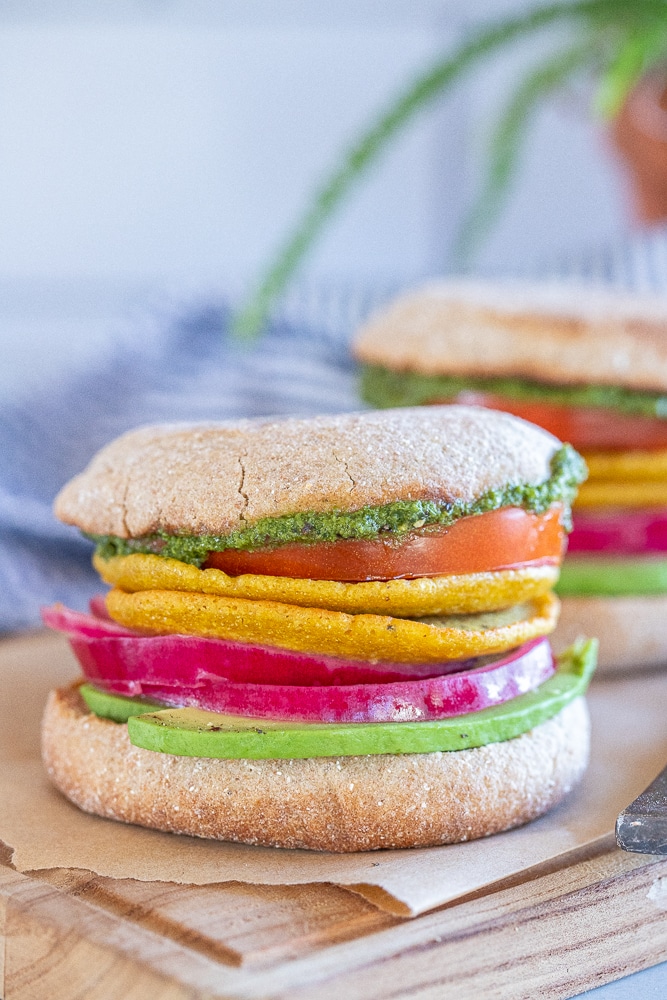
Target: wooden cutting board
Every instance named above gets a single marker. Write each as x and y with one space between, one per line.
552 932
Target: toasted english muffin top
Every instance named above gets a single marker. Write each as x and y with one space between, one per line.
550 332
215 478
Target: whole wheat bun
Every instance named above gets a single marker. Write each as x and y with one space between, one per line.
215 478
329 804
552 332
632 630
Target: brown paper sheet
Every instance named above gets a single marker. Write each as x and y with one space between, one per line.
46 831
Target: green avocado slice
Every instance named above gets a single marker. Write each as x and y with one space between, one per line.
189 732
116 707
612 576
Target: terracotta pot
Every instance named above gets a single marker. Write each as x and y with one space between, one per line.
640 136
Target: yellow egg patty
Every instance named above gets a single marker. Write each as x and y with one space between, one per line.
316 630
633 478
623 466
464 594
622 494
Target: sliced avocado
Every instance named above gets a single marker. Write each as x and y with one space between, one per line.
609 576
192 732
116 706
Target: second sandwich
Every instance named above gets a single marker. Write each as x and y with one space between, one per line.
589 365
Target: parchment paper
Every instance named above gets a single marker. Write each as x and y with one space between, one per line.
46 831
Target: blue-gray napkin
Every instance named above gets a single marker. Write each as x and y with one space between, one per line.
192 370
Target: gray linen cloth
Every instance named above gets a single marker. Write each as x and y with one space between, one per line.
192 370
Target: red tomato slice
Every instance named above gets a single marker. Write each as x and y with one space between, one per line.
583 426
498 539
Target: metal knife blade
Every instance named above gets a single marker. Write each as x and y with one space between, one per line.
642 826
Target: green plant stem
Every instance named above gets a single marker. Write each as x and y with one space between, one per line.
506 143
419 95
632 58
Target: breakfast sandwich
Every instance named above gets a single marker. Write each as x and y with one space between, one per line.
327 633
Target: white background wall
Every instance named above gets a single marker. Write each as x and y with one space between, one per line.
147 144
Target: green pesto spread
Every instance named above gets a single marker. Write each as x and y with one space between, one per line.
567 471
385 388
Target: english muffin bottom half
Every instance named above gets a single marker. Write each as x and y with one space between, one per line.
326 633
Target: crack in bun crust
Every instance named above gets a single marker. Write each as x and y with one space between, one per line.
217 478
331 804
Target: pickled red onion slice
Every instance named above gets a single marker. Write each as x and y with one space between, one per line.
78 623
98 607
424 699
109 652
620 532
